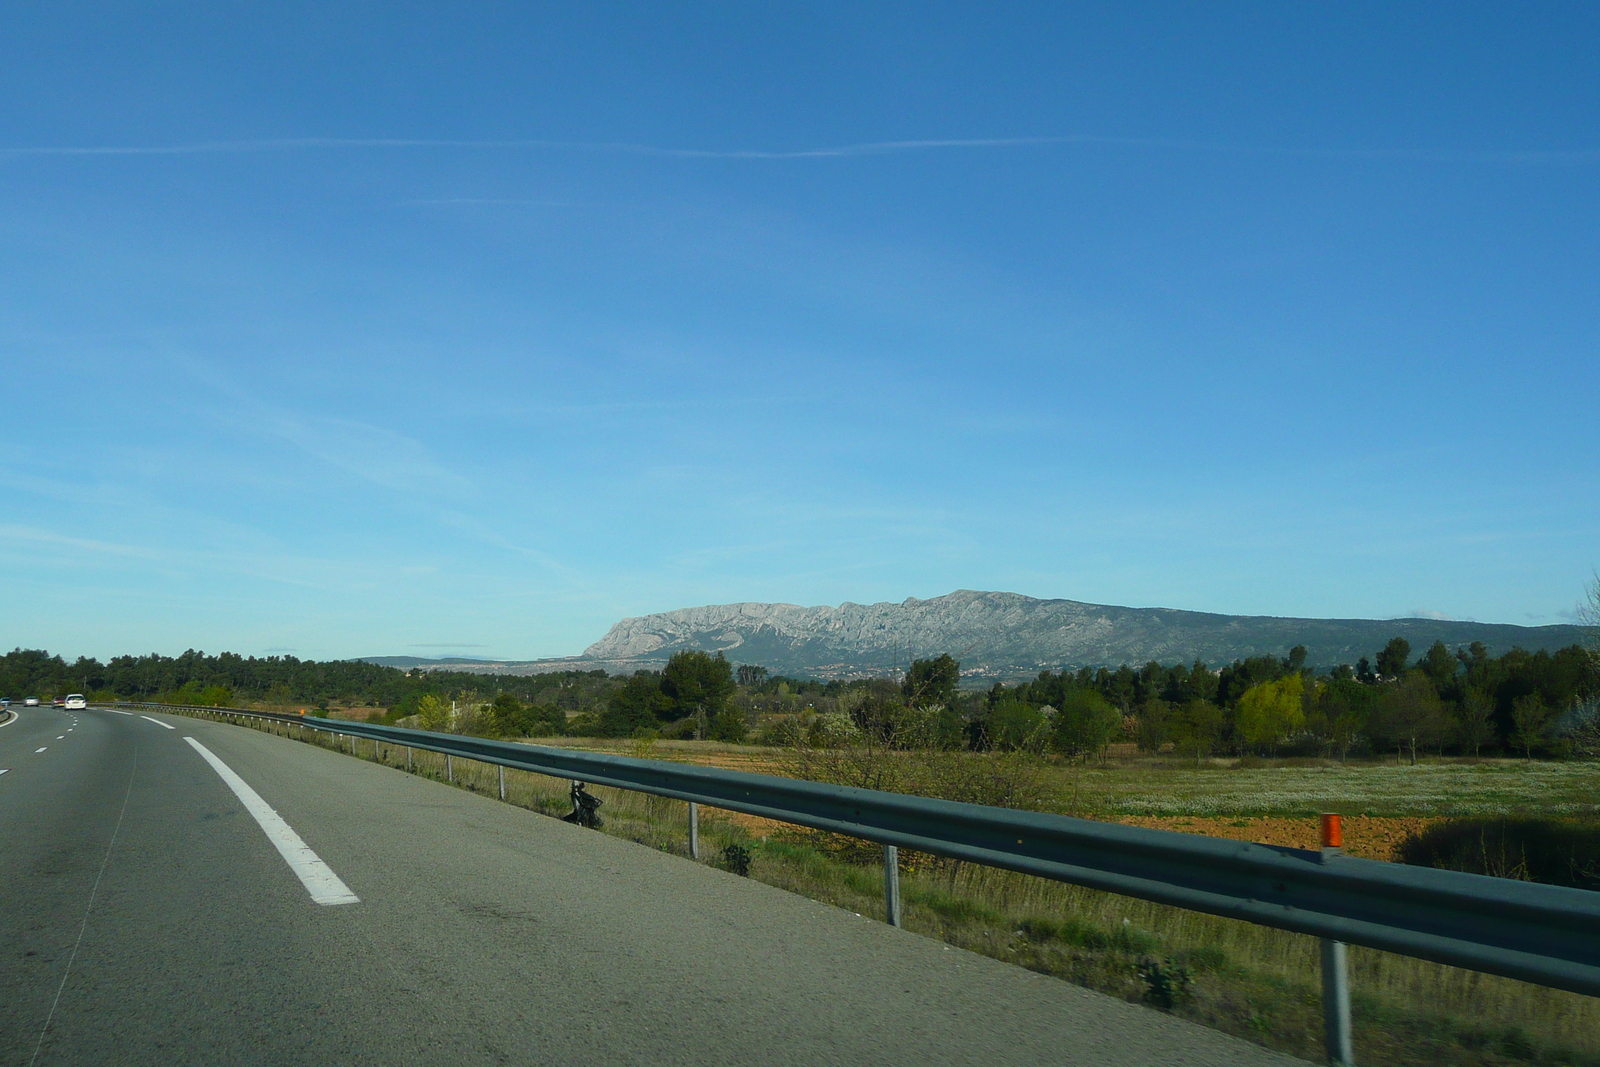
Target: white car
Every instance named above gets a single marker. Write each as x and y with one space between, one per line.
31 702
75 702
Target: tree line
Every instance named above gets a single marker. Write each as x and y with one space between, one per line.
1465 701
283 681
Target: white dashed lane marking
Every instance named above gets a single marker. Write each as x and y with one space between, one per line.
158 722
318 878
39 750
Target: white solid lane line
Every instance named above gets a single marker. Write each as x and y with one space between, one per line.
318 878
158 722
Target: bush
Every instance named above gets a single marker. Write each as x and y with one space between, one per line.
433 713
621 719
1014 725
1085 724
729 725
1553 851
1165 982
737 859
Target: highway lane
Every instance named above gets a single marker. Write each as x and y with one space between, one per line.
148 917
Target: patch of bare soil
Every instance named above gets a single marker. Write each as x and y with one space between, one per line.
1367 836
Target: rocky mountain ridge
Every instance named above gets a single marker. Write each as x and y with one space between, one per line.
995 636
1007 634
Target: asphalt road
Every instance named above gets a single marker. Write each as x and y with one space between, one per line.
146 917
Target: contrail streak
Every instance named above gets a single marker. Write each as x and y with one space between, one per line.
869 148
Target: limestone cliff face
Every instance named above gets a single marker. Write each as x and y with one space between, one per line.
1006 634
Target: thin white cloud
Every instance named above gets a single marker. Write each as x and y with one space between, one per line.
298 571
867 148
454 201
373 453
36 535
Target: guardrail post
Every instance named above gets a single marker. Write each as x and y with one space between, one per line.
891 885
408 757
1336 1004
1335 969
449 769
502 769
694 830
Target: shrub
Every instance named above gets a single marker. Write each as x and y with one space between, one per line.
729 725
433 713
1014 725
1553 851
737 859
1165 982
1086 723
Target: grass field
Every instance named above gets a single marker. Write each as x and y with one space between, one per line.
1254 982
1128 785
1431 788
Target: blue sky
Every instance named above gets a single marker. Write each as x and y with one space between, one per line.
472 328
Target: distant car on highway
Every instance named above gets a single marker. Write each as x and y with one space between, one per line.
75 702
5 702
58 702
31 702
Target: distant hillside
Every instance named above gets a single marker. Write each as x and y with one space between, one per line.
406 663
1006 634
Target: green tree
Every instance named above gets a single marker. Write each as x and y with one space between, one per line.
638 704
1155 724
729 725
1012 725
1529 715
1392 660
545 720
508 717
433 713
1439 665
1086 723
1344 703
1195 729
697 683
751 675
1410 714
1475 720
1271 712
932 681
216 696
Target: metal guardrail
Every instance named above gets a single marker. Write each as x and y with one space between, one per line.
1544 934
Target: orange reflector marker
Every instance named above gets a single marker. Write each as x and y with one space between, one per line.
1332 832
